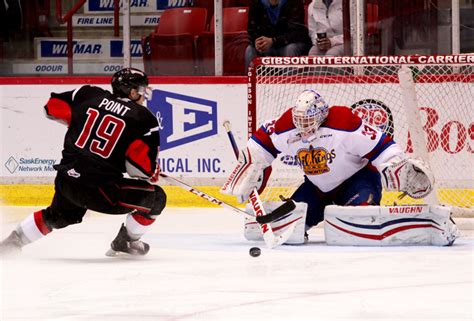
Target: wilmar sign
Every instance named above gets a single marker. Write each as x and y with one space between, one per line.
85 49
148 6
100 6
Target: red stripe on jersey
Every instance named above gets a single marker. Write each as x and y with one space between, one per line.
379 147
135 207
342 118
265 141
59 109
372 168
139 188
137 152
285 122
142 220
106 196
40 224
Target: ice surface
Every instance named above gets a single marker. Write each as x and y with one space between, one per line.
199 268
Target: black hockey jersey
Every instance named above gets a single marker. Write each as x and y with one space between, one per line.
106 137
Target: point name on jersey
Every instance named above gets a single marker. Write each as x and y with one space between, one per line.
113 106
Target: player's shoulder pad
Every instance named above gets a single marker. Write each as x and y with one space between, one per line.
151 118
342 118
86 92
144 115
285 122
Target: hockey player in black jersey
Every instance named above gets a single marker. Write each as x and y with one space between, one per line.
108 134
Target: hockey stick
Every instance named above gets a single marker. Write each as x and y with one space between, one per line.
282 210
257 205
276 214
206 196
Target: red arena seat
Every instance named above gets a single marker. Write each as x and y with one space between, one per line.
235 40
170 50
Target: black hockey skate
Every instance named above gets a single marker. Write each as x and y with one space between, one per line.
123 243
12 244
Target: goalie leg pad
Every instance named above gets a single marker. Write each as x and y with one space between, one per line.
297 217
389 225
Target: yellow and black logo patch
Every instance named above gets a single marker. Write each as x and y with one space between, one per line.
315 161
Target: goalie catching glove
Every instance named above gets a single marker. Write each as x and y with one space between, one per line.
251 172
410 176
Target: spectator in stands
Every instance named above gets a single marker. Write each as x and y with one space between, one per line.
325 28
11 26
276 28
11 18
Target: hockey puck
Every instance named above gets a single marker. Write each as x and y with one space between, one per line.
255 251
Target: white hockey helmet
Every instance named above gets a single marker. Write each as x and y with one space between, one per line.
309 112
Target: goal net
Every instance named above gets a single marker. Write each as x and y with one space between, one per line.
424 102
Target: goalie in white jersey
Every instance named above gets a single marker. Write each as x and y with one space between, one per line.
344 160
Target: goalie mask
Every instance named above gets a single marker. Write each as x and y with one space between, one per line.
309 112
125 80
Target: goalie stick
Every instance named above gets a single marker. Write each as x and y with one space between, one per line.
277 213
282 210
257 205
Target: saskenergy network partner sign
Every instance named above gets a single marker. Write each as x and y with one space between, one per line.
32 164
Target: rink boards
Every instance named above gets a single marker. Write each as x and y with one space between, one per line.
194 144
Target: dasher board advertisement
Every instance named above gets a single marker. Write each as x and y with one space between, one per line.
136 6
194 143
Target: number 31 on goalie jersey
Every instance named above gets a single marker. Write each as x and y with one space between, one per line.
105 137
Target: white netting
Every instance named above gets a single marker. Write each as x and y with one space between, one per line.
444 94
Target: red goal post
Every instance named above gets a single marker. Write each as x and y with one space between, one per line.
424 102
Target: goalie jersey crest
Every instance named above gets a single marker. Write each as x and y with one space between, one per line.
315 161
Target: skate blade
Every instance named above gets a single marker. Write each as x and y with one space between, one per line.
113 253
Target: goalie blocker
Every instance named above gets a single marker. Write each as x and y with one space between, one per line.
389 225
